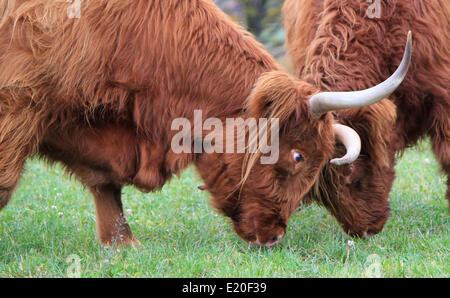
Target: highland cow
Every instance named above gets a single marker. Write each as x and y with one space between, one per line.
99 93
348 45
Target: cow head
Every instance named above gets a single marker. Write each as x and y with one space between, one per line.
260 198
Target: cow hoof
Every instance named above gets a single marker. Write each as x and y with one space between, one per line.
122 243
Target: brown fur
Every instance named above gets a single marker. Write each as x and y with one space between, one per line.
99 94
335 46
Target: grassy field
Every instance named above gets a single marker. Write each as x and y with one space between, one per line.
48 230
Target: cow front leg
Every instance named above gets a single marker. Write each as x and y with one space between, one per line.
12 160
9 178
112 227
19 137
440 141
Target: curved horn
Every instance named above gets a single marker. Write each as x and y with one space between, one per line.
324 102
350 139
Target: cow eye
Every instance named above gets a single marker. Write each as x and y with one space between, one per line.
297 157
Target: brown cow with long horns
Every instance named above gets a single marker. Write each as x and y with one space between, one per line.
100 94
349 45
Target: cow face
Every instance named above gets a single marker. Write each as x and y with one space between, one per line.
258 196
271 193
260 205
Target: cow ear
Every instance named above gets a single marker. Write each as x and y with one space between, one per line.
274 95
280 95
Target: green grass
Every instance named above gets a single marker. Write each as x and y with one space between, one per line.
51 217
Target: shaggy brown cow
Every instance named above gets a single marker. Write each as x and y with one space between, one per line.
99 94
346 45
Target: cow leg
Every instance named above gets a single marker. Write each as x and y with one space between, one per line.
112 227
10 172
16 144
440 140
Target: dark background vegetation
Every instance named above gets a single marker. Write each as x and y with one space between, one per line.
261 17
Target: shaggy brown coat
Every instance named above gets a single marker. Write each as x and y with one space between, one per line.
99 94
335 45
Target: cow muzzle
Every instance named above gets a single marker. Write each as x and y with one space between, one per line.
273 241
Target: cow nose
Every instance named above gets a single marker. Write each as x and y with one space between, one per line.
277 238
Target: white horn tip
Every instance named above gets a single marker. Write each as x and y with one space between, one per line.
409 44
